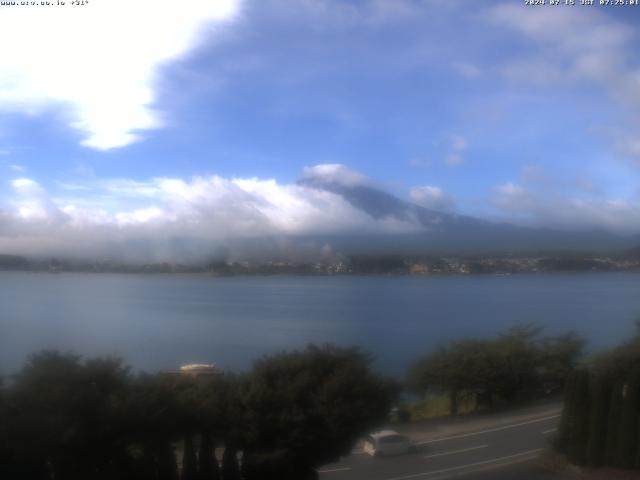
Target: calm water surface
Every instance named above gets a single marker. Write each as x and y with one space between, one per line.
159 321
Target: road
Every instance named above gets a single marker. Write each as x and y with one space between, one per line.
506 447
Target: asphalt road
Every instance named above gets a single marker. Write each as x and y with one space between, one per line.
495 451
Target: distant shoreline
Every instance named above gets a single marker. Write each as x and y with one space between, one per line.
317 275
422 265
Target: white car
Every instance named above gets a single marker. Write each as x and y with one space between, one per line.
388 442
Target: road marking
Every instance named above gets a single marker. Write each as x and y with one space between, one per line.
551 430
497 429
456 451
484 468
468 465
331 470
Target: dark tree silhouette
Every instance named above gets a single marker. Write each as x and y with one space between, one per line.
628 429
208 468
230 466
516 364
601 395
613 424
189 461
165 457
578 427
67 415
307 408
64 418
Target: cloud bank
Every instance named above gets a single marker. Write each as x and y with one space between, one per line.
191 219
96 64
142 220
433 198
542 205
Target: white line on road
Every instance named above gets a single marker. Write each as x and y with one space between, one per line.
551 430
456 451
497 429
331 470
468 465
485 468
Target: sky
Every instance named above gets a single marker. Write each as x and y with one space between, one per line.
138 120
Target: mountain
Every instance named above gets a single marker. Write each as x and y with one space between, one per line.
448 232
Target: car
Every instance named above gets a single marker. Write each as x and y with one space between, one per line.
388 442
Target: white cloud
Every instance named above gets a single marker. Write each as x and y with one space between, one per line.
550 209
467 70
458 143
336 173
138 216
130 188
73 186
510 196
26 186
451 146
577 47
454 159
598 56
108 216
605 34
457 146
98 63
432 197
33 202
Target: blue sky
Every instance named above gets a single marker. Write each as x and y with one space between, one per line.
113 119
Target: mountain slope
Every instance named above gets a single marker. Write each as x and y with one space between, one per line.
450 232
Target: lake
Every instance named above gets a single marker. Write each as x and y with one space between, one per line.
158 322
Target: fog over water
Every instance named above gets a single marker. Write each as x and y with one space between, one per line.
158 322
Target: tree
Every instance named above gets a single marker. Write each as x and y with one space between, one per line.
613 423
72 419
433 373
312 405
5 452
628 428
601 396
221 408
515 364
189 460
558 356
608 394
230 467
578 422
619 362
208 468
573 435
67 416
566 419
516 360
461 367
273 465
164 459
154 418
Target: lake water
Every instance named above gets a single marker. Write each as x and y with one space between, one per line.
158 322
